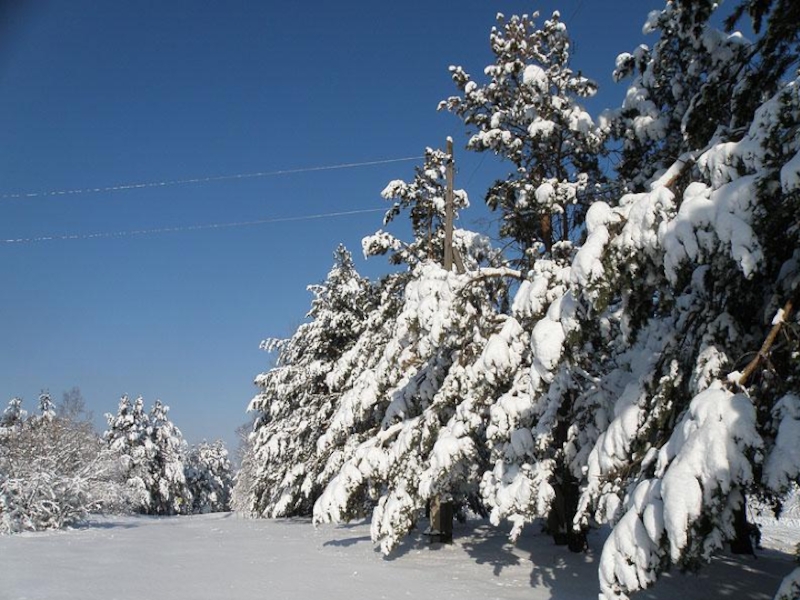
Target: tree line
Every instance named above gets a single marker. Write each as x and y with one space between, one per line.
55 470
626 354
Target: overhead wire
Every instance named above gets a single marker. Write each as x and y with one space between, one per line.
195 180
576 11
184 228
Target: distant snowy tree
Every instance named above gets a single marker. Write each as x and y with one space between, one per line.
53 469
296 402
13 417
169 492
209 477
127 436
151 452
47 409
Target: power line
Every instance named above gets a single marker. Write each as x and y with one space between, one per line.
140 232
576 11
196 180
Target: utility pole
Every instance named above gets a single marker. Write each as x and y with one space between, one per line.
441 510
448 210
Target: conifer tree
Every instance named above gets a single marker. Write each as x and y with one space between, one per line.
645 375
689 275
166 468
127 436
541 422
47 409
529 113
296 401
209 477
424 200
13 416
358 407
407 448
151 452
676 105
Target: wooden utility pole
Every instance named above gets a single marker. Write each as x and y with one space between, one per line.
448 210
441 511
451 255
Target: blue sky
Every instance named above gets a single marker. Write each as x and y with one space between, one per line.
95 94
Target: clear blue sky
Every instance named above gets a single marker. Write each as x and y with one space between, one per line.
96 94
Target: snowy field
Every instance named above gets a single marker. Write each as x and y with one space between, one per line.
225 556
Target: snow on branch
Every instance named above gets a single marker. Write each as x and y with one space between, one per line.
763 353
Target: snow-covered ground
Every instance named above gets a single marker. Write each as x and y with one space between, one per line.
225 556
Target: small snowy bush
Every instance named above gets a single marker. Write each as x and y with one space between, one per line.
54 470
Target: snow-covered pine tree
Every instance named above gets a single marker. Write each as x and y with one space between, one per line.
166 466
296 401
424 200
127 436
362 404
690 274
408 403
674 105
209 477
13 417
47 409
358 410
151 453
529 113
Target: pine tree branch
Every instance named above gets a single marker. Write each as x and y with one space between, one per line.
676 170
763 353
494 272
487 273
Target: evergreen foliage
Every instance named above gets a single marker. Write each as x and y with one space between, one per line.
640 370
209 476
631 358
416 417
297 400
529 113
152 454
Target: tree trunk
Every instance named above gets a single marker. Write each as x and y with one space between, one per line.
567 491
441 519
562 514
745 531
546 225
